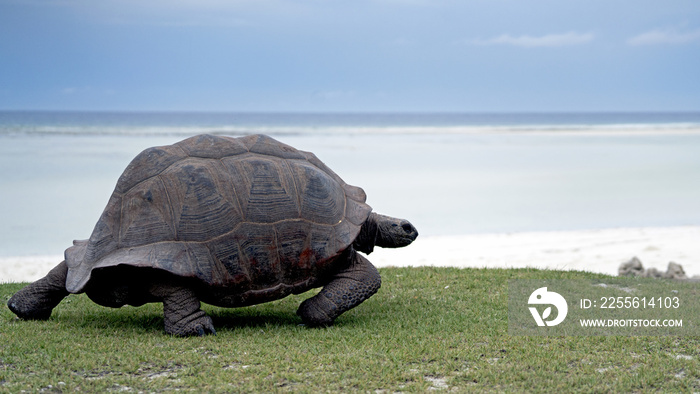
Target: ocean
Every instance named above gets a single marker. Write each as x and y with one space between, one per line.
447 173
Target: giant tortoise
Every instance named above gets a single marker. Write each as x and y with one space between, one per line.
228 221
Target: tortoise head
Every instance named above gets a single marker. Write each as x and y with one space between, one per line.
384 231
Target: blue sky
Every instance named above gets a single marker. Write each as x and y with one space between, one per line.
364 55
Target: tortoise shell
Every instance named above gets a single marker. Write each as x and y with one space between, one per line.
241 214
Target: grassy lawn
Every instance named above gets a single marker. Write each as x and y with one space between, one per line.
427 328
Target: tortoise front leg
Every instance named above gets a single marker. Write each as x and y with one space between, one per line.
182 313
37 300
348 289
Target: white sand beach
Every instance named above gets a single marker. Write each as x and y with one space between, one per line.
599 251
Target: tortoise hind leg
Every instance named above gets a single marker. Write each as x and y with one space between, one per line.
348 289
37 300
182 313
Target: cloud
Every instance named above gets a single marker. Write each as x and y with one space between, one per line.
549 40
665 36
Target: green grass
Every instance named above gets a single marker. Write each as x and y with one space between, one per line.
427 328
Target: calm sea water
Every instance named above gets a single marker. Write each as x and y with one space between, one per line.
447 173
187 123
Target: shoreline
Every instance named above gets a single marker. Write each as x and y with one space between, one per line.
600 251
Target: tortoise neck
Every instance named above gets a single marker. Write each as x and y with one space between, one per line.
367 238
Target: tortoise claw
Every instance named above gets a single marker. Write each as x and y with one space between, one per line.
200 326
205 330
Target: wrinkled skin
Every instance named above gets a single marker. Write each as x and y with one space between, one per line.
347 288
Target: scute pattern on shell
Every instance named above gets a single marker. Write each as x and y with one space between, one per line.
248 214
